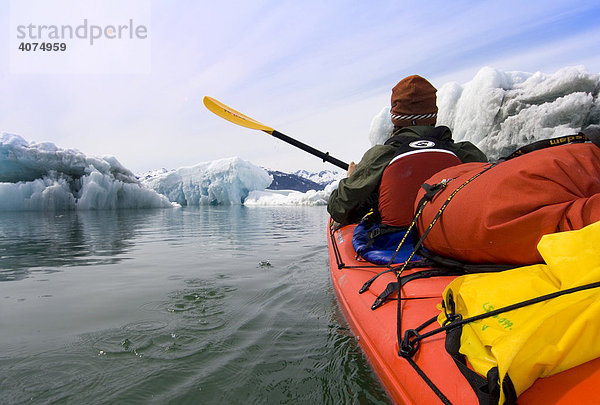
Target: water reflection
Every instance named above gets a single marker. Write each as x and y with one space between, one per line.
40 241
46 242
179 311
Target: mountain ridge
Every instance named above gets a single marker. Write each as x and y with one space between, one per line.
302 180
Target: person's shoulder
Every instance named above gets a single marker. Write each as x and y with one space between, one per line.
377 156
378 150
441 132
380 147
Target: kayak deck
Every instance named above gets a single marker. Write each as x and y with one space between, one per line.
376 331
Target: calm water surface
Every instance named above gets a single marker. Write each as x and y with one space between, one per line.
204 305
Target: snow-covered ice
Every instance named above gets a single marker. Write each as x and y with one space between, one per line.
281 197
498 111
324 177
42 176
501 111
224 181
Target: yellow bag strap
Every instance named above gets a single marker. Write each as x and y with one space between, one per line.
431 191
412 338
410 343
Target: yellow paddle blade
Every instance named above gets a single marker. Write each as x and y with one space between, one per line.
234 116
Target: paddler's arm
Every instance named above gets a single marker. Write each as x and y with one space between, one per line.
358 193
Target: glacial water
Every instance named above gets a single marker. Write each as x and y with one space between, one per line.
209 305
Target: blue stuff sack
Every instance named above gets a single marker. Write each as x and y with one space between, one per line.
383 247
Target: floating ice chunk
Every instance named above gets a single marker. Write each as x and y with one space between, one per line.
104 191
42 176
282 197
224 181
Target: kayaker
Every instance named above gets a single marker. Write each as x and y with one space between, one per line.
388 184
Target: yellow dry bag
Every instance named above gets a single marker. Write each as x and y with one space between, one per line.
541 339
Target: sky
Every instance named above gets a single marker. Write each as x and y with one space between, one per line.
318 71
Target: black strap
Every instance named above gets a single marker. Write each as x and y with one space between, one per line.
437 216
431 190
370 281
381 298
486 389
407 355
411 265
338 256
381 230
430 383
393 286
410 342
546 143
470 268
455 323
406 341
336 249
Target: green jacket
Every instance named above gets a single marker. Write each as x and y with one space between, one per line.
357 194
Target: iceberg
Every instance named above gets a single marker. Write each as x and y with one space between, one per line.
498 111
501 111
224 181
283 197
43 177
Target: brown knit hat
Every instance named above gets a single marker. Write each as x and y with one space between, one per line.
413 102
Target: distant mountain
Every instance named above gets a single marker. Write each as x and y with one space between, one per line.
152 173
291 181
301 180
324 177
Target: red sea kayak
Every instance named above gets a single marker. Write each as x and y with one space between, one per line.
376 331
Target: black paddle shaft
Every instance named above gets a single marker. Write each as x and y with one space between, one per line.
323 155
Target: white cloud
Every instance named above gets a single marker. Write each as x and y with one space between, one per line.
316 71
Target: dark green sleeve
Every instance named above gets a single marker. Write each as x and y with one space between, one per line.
467 152
357 194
